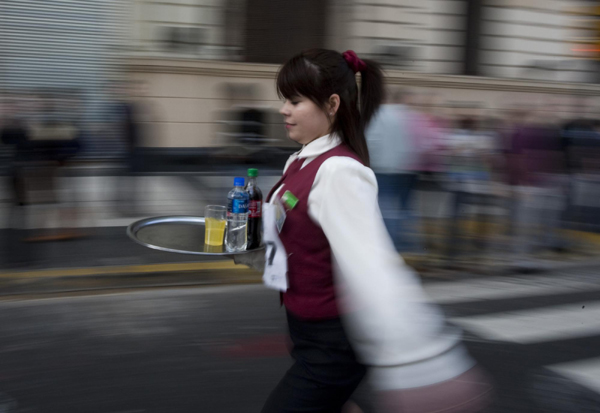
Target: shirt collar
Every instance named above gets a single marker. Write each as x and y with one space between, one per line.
319 146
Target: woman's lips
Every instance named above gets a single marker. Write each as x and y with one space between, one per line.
288 125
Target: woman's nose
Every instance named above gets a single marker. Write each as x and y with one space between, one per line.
284 110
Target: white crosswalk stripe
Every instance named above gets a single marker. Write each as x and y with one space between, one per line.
532 326
584 372
492 288
547 308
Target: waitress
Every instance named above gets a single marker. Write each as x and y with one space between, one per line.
351 301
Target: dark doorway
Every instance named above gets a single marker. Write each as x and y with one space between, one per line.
278 29
474 16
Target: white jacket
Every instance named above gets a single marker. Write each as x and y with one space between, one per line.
394 330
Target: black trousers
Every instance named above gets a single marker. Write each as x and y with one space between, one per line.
325 373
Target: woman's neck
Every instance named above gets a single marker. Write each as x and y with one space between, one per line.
317 138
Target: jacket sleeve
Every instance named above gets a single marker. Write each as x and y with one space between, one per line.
392 326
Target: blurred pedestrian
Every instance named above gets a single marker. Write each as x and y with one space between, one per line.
430 133
14 135
53 141
428 139
469 168
580 142
541 185
125 120
351 302
393 148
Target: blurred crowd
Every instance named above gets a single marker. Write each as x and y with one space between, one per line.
44 134
457 180
512 181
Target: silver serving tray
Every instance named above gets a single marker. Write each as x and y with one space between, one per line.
179 234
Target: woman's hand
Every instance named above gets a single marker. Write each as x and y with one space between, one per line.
254 259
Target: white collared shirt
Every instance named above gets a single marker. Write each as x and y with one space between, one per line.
391 326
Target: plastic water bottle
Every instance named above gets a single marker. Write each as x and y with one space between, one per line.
236 238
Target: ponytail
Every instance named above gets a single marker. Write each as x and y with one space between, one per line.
371 96
371 91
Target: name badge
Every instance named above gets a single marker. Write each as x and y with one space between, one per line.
276 265
289 200
280 214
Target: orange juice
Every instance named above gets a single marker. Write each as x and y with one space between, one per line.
215 231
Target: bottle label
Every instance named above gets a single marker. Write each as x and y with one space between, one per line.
238 206
255 209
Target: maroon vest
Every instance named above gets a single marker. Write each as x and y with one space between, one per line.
311 293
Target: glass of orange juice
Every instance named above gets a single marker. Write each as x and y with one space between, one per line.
215 219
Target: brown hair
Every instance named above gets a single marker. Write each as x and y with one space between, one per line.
319 73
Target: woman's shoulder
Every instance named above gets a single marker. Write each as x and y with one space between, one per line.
343 179
345 166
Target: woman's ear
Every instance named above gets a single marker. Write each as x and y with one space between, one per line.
334 104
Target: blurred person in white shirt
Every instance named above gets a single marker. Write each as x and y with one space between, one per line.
392 138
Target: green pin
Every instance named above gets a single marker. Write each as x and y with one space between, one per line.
289 200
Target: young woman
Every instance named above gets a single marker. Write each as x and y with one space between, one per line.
351 302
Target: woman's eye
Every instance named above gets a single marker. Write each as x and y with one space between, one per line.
295 103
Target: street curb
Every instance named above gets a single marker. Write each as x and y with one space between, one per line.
197 274
80 280
124 269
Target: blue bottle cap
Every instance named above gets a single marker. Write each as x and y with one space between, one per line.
239 181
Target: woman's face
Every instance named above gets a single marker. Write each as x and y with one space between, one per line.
304 121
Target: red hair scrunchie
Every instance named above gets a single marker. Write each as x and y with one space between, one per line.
354 61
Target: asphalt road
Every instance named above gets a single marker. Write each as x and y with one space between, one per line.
222 349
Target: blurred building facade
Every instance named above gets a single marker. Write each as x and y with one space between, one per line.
512 38
62 51
186 50
190 55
